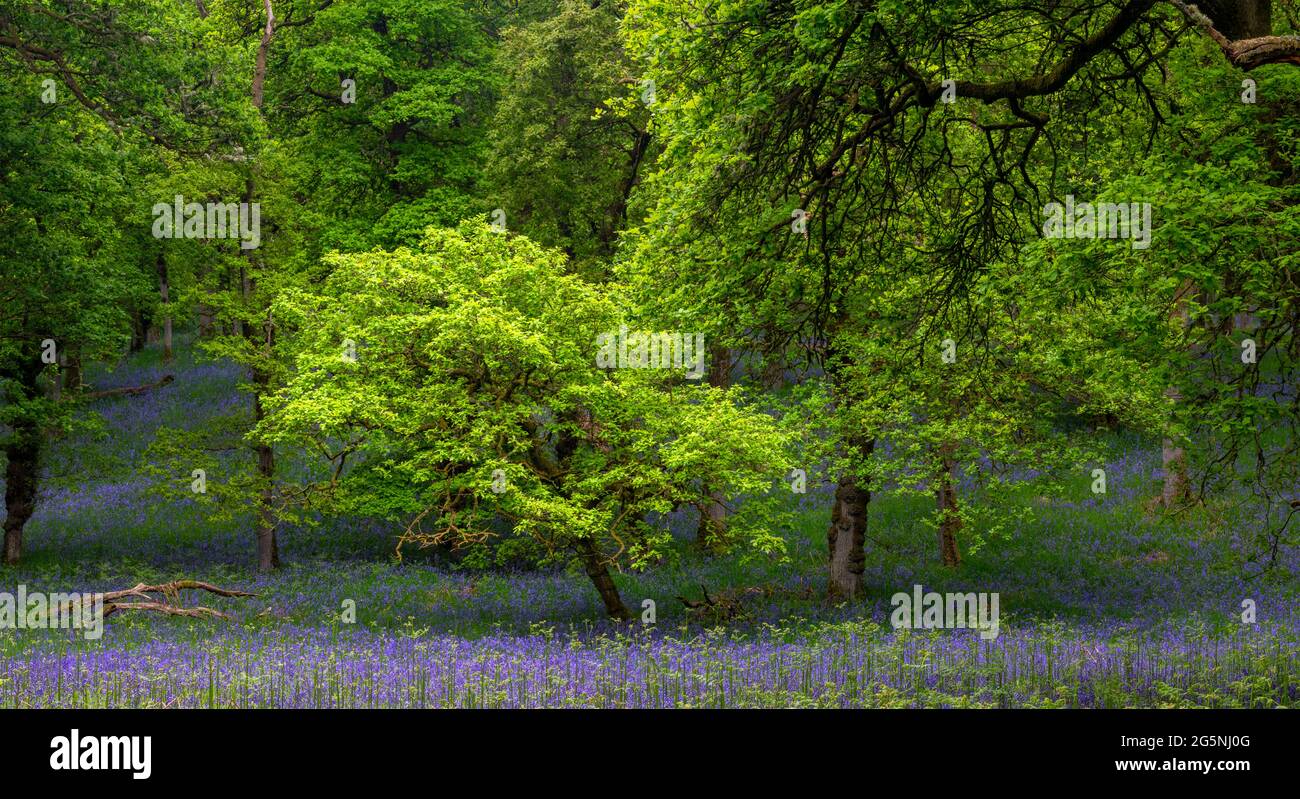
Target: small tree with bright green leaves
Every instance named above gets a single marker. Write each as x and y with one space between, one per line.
455 387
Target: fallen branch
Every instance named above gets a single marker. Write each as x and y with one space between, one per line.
170 605
714 610
129 391
199 612
730 605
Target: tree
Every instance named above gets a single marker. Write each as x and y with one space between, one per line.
104 90
380 108
807 145
570 137
457 387
65 272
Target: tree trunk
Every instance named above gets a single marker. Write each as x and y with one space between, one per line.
207 320
847 535
617 213
268 551
259 68
1173 458
72 379
773 377
237 324
23 456
139 331
21 473
56 379
1239 19
69 378
712 532
164 294
554 466
949 515
600 577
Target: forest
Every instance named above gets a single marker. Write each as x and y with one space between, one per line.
650 354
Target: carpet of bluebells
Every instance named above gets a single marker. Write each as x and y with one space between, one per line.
1102 604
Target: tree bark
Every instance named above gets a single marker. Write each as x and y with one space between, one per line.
712 532
617 214
69 378
1173 458
56 380
23 461
1239 19
207 320
72 376
1243 30
268 551
773 377
554 466
164 290
139 330
949 515
847 536
259 69
237 324
600 577
23 454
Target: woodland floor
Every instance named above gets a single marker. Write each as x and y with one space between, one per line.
1102 604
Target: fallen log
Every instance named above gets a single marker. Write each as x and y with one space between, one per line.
127 391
